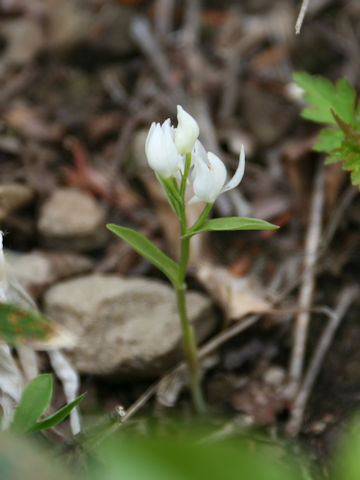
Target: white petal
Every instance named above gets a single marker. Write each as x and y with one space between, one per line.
199 151
238 175
186 132
218 171
151 131
193 200
208 178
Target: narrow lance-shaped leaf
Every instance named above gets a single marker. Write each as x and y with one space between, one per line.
34 401
233 223
148 250
56 417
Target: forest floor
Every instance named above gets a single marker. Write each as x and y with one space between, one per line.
80 84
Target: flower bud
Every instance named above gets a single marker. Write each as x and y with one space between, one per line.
161 151
186 132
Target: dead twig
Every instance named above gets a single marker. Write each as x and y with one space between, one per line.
337 216
141 32
346 297
164 11
192 22
308 281
301 16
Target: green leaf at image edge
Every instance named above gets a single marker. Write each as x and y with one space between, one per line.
18 325
34 401
324 96
56 417
233 223
148 250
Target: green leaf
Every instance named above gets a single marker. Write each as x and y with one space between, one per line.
328 139
323 97
148 250
233 223
56 417
349 150
18 325
171 193
153 458
34 401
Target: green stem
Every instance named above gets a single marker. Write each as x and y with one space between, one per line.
190 348
201 219
185 175
190 351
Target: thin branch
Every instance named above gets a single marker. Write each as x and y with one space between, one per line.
301 16
192 22
142 34
164 11
337 216
308 281
346 297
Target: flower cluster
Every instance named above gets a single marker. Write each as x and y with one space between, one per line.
166 149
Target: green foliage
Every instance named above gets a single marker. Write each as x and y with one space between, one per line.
153 458
323 97
56 417
347 461
148 250
21 458
18 325
35 400
232 223
334 105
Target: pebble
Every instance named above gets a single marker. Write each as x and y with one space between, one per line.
13 196
72 219
37 270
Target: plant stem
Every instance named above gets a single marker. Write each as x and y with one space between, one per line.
201 219
190 348
189 341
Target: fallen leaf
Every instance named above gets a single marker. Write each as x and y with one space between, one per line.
238 296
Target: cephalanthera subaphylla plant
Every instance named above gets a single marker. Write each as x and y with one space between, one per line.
177 156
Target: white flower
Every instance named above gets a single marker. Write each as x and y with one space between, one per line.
186 132
161 151
209 175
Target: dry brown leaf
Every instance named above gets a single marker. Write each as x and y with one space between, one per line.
238 296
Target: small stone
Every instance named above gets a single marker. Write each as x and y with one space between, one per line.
275 376
127 327
13 196
72 219
37 270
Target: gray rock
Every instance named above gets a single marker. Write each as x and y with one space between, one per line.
72 219
128 327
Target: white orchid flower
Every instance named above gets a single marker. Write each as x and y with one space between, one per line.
209 175
161 152
187 131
